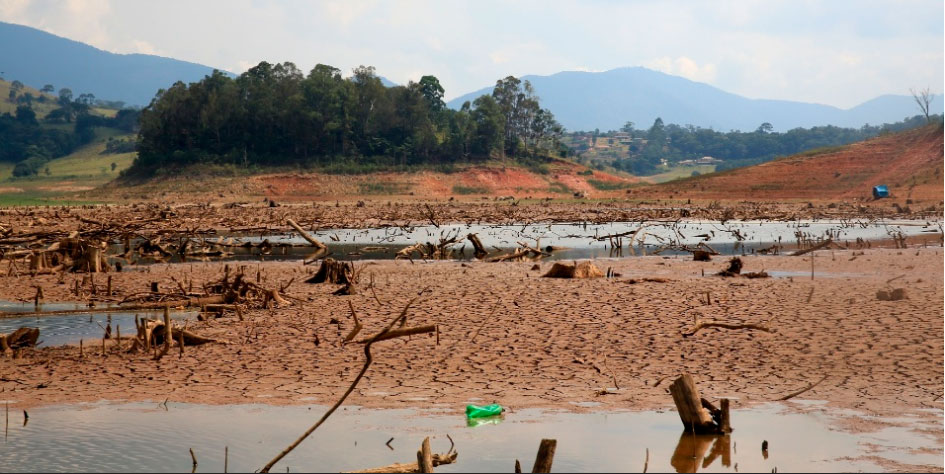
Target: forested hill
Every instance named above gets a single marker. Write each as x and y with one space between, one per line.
37 58
276 115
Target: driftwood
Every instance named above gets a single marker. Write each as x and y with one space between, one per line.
811 249
22 337
425 457
578 270
153 332
711 324
305 235
412 467
803 390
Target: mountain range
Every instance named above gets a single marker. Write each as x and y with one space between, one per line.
37 58
579 100
607 100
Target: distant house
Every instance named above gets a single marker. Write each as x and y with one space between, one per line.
707 160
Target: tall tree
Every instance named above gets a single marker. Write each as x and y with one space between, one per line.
923 99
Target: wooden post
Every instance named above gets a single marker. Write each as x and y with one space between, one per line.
167 329
92 282
725 423
518 466
108 288
689 405
118 333
425 457
546 454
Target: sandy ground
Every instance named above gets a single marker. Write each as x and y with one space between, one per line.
509 336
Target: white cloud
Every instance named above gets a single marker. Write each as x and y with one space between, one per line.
685 67
838 52
143 47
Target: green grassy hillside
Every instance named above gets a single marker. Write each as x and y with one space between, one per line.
41 108
82 170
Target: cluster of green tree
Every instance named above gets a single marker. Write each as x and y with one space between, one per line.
31 144
119 145
673 143
275 115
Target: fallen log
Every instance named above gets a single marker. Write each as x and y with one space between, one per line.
711 324
305 235
803 390
410 467
400 333
811 249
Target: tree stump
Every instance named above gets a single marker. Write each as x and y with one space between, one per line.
689 405
333 271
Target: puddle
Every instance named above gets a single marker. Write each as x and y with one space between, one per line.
579 240
144 437
56 330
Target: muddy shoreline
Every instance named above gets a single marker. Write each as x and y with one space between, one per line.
509 336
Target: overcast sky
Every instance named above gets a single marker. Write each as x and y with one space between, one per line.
833 52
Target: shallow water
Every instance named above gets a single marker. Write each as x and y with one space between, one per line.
145 437
582 240
56 330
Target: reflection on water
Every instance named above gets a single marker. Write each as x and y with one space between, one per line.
143 437
579 240
690 453
56 330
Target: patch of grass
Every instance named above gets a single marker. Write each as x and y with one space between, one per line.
681 172
374 188
560 188
608 185
464 190
40 198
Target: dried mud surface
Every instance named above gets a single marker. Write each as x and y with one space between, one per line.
508 336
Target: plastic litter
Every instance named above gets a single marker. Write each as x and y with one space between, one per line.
474 411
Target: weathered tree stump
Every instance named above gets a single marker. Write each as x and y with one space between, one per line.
693 413
578 270
333 271
480 251
22 337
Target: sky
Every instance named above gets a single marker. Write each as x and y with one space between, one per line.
835 52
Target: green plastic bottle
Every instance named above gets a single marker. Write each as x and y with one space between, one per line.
473 411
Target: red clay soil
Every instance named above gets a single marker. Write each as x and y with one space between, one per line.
910 163
561 181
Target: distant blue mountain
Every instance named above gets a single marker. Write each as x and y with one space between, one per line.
607 100
36 58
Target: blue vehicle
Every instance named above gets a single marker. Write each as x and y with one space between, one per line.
880 191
